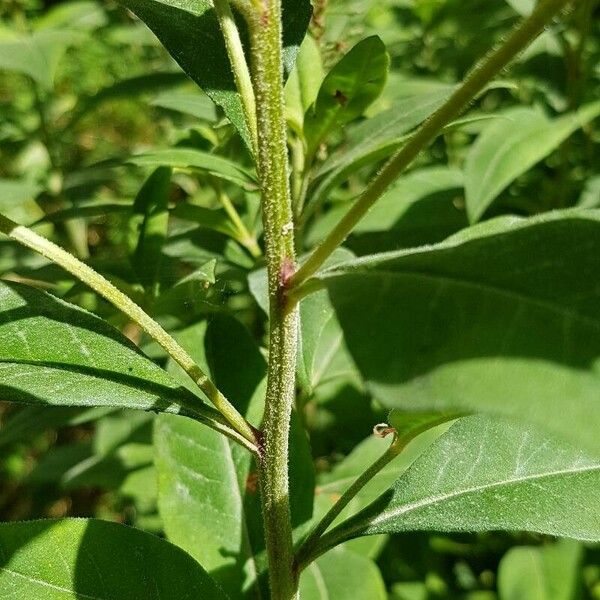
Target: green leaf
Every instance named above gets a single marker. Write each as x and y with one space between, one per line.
85 558
78 15
347 90
420 208
37 55
523 7
196 104
303 84
486 474
189 158
54 353
374 139
342 575
502 317
549 572
17 200
203 55
506 150
207 485
149 223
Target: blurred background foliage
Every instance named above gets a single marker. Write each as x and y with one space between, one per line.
91 105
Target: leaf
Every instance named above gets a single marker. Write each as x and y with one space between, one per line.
303 84
347 90
203 55
503 152
54 353
420 208
17 200
486 474
96 560
207 485
196 104
523 7
189 158
78 15
501 318
549 572
342 575
37 55
374 139
149 224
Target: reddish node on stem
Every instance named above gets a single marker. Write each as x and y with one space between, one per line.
288 268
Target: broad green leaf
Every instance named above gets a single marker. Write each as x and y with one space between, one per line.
210 218
487 474
548 572
342 575
347 90
96 560
203 55
420 208
502 317
38 54
54 353
189 158
374 139
303 85
506 150
149 224
196 104
17 200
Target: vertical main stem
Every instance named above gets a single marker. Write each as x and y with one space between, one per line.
264 21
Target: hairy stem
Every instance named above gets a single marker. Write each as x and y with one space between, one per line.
264 21
523 34
239 66
107 290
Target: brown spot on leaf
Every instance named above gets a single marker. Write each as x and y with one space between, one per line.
341 97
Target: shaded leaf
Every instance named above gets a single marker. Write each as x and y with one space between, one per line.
502 317
85 558
549 572
342 575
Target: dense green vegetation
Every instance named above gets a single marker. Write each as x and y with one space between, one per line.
461 310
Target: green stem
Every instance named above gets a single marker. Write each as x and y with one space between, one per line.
246 239
264 22
523 34
107 290
304 555
239 66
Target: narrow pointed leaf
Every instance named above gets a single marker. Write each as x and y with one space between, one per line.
75 559
486 474
503 317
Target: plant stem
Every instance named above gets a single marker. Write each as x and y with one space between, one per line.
107 290
235 50
264 22
304 555
523 34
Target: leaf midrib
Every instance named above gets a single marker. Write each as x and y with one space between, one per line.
432 500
